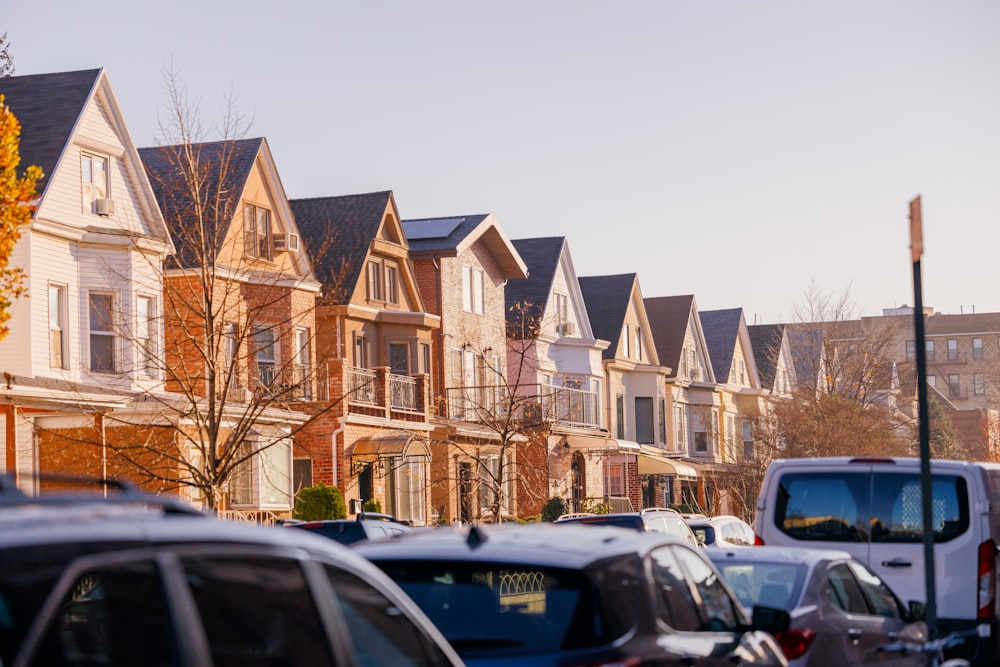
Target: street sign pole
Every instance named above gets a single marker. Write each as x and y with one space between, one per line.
926 487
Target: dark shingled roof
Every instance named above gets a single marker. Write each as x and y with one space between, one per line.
541 255
766 342
221 167
353 220
721 329
48 107
467 225
607 299
668 319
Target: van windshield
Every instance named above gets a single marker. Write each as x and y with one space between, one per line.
863 507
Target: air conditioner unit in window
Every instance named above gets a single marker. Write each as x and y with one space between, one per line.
568 329
286 242
696 373
105 207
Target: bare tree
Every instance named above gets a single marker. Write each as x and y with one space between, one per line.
238 360
6 60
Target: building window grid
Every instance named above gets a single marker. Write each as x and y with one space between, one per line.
103 341
977 348
952 349
58 336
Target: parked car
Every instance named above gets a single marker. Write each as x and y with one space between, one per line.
135 579
660 519
539 594
840 610
367 526
722 531
872 508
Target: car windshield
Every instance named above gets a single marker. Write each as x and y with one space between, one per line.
345 533
767 584
633 522
500 609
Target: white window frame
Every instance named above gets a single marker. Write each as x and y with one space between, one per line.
638 343
265 353
952 349
626 342
100 333
616 479
257 232
58 333
391 283
409 484
146 339
92 188
473 280
977 348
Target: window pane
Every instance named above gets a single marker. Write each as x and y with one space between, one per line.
832 507
847 594
252 608
644 419
112 616
718 611
675 605
897 512
100 312
380 633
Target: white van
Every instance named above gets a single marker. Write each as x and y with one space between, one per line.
871 507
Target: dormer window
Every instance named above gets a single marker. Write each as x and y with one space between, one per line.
257 232
94 177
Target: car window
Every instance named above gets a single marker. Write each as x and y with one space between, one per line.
521 608
880 598
846 593
776 585
897 511
832 507
380 633
674 603
114 615
345 533
718 608
256 611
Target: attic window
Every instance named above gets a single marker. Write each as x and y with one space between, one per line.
257 232
94 176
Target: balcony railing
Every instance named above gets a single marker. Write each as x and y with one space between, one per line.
360 386
532 403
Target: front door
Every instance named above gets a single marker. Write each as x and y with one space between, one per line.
465 492
577 483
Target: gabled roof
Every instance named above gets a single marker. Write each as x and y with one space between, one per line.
541 256
721 329
607 299
221 167
668 320
48 107
354 220
766 342
451 236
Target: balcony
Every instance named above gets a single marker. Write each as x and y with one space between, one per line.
532 403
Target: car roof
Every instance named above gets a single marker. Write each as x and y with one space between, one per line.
765 554
540 544
714 520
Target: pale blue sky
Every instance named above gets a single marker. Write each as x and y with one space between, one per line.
733 150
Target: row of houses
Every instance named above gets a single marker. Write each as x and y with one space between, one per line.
191 327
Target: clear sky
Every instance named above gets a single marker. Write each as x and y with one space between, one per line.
737 151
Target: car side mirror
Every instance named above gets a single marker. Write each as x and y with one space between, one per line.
916 611
770 619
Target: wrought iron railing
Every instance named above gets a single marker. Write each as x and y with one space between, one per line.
532 403
360 385
403 392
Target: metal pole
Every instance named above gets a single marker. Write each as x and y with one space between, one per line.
926 487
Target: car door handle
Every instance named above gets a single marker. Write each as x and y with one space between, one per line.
854 635
897 562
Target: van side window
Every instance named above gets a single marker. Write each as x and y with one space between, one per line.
897 513
827 507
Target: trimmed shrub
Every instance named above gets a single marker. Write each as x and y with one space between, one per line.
320 502
373 505
554 508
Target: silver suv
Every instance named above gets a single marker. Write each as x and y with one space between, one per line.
134 579
659 519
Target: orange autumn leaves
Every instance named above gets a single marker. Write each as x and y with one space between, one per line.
17 203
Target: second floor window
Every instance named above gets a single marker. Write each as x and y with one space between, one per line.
952 349
953 385
977 348
472 290
376 291
257 232
303 363
391 283
979 384
94 176
145 335
929 350
266 354
620 415
644 419
747 441
58 336
911 350
662 416
230 345
103 340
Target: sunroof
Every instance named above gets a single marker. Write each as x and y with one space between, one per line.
438 228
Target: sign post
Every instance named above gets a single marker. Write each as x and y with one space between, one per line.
926 486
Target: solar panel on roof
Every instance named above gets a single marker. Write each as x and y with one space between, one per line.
438 228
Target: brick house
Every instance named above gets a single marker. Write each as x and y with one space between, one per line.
462 265
554 362
90 256
239 325
369 436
